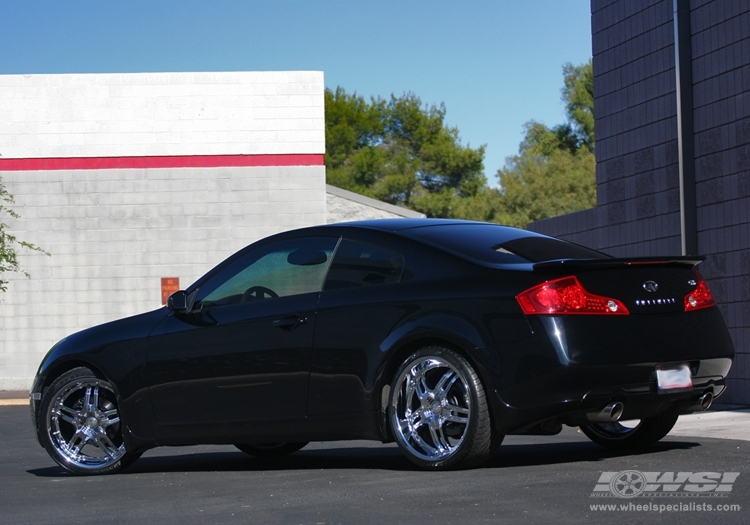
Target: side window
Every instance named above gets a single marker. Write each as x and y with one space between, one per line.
285 268
360 264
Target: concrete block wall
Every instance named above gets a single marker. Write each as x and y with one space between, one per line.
113 233
636 149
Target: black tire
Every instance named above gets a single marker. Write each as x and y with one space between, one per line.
438 411
269 450
620 437
80 426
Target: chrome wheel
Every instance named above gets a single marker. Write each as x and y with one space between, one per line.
438 412
82 427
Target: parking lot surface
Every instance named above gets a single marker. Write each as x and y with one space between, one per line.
531 479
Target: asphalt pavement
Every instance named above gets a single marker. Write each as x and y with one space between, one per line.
560 480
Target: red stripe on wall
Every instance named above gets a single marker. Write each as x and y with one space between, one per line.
180 161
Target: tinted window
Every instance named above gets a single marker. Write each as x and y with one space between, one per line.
538 249
281 269
361 264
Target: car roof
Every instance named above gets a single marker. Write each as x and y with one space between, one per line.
470 240
394 225
482 242
426 229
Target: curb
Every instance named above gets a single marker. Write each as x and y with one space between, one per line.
14 397
13 402
728 424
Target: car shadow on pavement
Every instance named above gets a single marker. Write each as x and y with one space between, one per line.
558 453
375 457
368 458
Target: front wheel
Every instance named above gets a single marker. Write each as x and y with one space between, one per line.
438 411
80 424
635 434
269 450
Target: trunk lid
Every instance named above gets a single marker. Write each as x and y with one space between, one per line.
644 285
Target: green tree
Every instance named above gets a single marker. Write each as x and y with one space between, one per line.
401 152
9 243
555 170
536 187
578 97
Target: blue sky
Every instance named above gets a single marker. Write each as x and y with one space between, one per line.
494 63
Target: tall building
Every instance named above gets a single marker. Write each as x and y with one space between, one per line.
672 108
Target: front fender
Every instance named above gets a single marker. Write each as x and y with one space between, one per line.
117 350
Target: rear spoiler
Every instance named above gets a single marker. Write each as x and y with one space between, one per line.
684 261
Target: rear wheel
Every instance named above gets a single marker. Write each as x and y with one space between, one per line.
631 434
438 411
269 450
80 424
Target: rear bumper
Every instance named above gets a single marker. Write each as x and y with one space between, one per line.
640 400
573 365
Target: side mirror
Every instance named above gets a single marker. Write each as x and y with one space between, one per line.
178 302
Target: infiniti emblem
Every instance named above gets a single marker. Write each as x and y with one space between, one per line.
650 286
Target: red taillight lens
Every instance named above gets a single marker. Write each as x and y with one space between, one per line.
700 297
567 296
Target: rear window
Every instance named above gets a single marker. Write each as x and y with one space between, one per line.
500 244
538 249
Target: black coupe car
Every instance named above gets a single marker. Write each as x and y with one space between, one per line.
442 335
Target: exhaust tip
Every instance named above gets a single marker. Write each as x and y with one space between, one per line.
616 410
610 413
697 405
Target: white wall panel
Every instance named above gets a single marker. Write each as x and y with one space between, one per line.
146 114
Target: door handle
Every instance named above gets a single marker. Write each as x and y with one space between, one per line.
290 322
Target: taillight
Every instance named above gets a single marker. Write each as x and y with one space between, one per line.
567 296
700 297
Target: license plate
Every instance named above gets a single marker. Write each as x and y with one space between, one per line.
673 377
